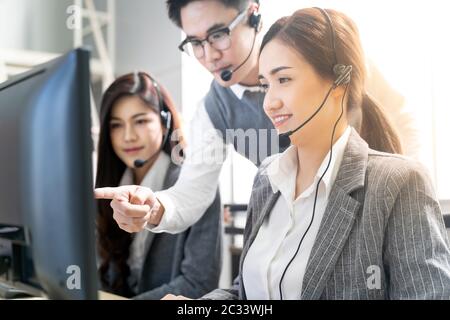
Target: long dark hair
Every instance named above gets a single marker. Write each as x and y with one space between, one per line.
308 32
113 242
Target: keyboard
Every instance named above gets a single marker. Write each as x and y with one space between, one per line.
10 292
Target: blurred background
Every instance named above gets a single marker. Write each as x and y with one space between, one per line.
407 45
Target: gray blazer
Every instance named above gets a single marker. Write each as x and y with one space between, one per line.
188 263
382 220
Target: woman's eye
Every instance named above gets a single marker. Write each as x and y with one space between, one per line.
141 121
114 125
283 80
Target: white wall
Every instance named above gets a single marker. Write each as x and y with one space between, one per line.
147 40
14 23
35 25
145 37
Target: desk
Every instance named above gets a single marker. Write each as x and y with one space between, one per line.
101 296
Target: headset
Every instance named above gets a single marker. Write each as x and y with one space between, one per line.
164 113
254 21
342 75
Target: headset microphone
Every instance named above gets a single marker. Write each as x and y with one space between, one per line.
140 163
226 75
166 119
343 77
284 139
254 22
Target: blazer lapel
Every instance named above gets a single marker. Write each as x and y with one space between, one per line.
266 209
262 203
169 180
338 218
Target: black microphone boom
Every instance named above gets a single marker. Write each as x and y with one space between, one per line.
139 163
226 75
284 137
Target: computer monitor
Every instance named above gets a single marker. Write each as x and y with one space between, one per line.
47 208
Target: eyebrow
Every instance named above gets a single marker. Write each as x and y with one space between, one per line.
215 27
211 29
274 71
133 117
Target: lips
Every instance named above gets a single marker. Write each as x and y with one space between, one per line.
279 120
133 150
221 69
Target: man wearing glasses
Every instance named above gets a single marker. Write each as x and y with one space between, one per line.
223 35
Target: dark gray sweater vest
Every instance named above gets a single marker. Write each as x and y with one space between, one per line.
242 122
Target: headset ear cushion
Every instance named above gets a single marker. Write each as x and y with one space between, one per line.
338 69
255 20
166 117
342 74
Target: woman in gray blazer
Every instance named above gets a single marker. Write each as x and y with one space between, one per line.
335 216
138 119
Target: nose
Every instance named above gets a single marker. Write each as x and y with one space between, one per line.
129 134
211 54
272 104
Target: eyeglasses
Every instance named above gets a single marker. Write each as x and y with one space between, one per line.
218 39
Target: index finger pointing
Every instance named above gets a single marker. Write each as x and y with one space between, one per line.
105 193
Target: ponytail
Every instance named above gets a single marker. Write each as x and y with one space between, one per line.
376 128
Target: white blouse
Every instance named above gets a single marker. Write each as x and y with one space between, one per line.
278 239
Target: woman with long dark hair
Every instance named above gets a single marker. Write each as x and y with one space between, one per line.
137 146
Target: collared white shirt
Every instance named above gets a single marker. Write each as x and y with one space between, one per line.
154 179
195 189
278 239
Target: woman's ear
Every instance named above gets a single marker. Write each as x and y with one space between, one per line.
165 132
338 92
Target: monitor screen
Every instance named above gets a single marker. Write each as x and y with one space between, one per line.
47 212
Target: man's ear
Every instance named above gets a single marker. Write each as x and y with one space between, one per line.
260 26
253 14
253 7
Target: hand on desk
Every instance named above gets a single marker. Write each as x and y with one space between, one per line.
134 206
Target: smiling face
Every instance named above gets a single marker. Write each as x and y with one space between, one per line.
201 18
294 91
136 131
